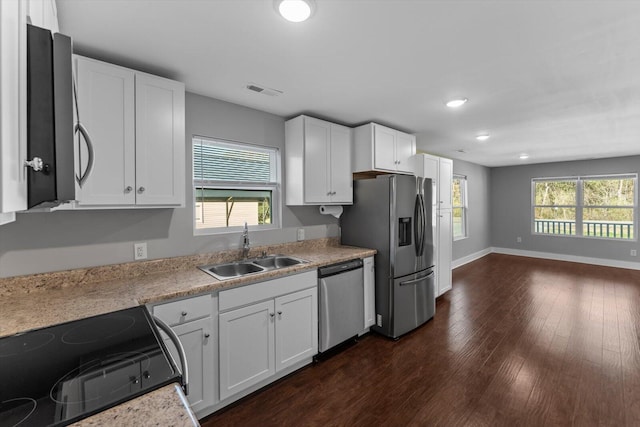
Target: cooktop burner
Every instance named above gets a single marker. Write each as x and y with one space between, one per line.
60 374
98 329
17 411
25 343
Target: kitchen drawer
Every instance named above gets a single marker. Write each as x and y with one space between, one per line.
186 310
244 295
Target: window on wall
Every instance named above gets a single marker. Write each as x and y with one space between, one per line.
459 206
587 206
234 183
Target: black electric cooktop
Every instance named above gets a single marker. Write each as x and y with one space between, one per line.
58 375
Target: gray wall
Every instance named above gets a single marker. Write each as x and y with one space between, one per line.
479 209
511 209
41 242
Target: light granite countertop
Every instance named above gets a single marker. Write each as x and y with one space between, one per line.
166 406
40 300
31 302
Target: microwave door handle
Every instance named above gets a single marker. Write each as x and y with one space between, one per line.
79 127
183 356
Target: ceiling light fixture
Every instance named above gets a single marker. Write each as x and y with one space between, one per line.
524 156
482 137
295 10
455 103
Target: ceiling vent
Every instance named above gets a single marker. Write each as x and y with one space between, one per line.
263 90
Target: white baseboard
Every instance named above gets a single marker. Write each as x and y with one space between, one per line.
472 257
572 258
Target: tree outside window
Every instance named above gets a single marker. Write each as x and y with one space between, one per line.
589 206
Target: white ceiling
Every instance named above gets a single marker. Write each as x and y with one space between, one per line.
559 80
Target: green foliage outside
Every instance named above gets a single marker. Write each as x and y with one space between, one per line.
607 207
457 190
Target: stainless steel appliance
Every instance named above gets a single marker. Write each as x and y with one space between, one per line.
49 119
390 214
341 303
57 375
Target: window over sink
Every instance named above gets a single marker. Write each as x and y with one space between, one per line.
235 183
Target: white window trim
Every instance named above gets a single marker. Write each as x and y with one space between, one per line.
275 187
579 206
465 209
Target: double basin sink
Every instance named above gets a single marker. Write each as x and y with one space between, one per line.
250 266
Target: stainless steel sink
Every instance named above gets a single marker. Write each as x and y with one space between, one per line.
250 266
234 269
277 261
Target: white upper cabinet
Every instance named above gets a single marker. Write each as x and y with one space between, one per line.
106 156
13 108
317 162
380 148
130 148
440 170
160 148
445 173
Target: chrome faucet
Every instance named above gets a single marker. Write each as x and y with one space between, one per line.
245 242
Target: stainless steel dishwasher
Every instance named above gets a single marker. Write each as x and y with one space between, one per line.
341 311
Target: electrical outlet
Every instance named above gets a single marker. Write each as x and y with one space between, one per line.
300 234
519 239
379 320
140 251
634 252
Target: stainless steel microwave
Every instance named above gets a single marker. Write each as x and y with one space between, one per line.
50 168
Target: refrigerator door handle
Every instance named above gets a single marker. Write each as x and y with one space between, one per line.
414 281
418 232
420 225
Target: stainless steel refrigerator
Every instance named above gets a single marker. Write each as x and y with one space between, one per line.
393 214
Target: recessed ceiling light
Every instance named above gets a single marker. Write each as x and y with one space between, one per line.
295 10
482 137
524 156
455 103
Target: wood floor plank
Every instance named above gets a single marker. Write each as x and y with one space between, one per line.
517 341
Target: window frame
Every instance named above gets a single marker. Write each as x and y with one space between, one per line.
464 207
580 206
275 187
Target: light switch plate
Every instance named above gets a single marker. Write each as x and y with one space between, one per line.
300 234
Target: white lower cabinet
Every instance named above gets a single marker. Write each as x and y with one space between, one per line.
246 347
266 330
194 322
369 292
198 341
296 327
443 252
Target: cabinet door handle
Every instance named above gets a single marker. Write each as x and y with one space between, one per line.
184 313
207 334
141 190
272 314
279 313
129 189
328 193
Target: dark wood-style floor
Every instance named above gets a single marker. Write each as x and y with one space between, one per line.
518 341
